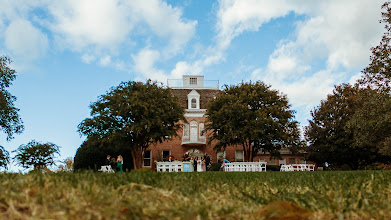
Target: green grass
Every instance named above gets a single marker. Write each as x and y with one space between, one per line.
210 195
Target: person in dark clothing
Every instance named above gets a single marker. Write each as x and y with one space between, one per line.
113 164
195 164
207 161
108 160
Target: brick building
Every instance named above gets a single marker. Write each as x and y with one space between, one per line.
193 92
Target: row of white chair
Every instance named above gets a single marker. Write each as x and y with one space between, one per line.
245 167
297 167
169 166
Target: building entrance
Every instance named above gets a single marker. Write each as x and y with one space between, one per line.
195 153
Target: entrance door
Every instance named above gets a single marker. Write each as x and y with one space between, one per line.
193 131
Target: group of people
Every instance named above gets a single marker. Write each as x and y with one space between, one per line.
200 164
116 164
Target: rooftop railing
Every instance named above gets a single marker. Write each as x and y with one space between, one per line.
207 84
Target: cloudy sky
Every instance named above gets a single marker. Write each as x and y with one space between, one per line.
69 52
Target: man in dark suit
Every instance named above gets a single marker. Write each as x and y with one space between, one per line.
207 161
108 160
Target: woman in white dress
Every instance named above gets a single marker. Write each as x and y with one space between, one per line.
199 165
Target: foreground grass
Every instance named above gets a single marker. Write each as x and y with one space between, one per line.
210 195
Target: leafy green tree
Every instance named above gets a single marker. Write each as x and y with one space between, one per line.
326 134
10 121
37 155
378 75
4 157
371 123
350 128
254 116
136 115
92 154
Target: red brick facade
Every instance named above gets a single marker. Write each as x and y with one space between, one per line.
177 147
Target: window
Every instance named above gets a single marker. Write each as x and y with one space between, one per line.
302 161
193 103
220 155
193 131
283 162
239 157
272 162
185 130
292 160
165 154
193 81
201 127
147 158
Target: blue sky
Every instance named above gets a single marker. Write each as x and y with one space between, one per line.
67 53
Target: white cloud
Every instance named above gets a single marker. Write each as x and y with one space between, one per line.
339 33
144 64
88 58
105 61
25 40
88 23
165 21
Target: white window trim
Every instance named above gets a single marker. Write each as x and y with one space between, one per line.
169 153
193 95
150 159
236 154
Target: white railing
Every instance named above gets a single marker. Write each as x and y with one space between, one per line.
298 167
245 167
169 166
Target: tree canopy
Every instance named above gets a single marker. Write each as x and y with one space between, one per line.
254 116
350 128
92 154
10 122
4 157
135 115
378 73
37 155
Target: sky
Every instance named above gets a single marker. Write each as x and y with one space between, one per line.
68 53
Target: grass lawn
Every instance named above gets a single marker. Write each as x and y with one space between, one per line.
210 195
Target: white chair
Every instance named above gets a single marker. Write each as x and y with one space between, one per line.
106 169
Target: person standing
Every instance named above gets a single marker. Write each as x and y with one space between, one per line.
194 163
108 160
120 163
113 164
199 165
207 161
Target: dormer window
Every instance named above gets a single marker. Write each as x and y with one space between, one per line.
193 81
194 103
193 100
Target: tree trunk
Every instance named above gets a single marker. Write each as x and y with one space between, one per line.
138 157
246 152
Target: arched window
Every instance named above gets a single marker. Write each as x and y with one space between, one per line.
193 103
185 130
201 127
193 131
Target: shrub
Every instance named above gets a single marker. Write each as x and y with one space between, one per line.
272 168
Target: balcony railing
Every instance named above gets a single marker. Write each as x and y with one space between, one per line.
199 141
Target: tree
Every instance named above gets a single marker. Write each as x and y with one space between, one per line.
378 74
136 115
10 122
254 116
371 123
326 134
37 155
346 130
67 165
92 154
4 157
